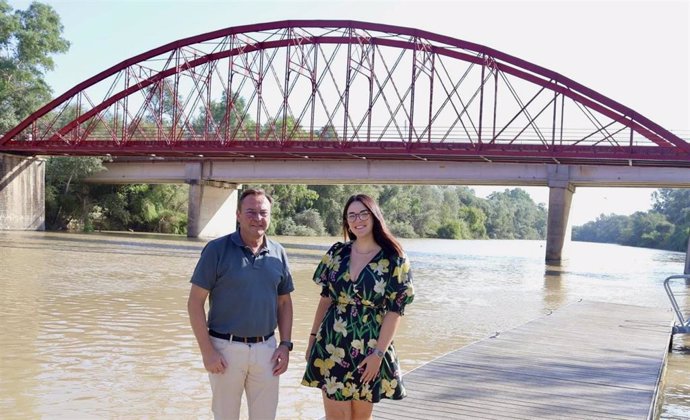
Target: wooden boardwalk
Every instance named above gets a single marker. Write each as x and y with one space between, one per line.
588 360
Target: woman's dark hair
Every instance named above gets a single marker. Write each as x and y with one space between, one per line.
382 235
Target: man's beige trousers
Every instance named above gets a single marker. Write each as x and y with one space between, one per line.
249 369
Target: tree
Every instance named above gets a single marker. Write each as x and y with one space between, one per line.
416 206
138 207
475 218
453 229
331 199
273 130
328 133
311 219
162 102
650 229
675 205
512 214
157 208
67 199
221 119
610 228
27 40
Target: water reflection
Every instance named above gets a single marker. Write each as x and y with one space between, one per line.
96 326
554 289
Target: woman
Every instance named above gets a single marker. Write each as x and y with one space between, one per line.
366 284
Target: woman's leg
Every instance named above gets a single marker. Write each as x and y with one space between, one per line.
361 410
336 410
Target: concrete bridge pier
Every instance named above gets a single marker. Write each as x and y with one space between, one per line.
687 259
560 197
22 193
212 204
211 209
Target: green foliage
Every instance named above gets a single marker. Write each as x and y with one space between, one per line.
311 219
303 210
153 208
453 229
224 120
666 226
27 40
288 200
475 220
450 206
674 204
402 230
512 214
331 199
162 101
410 211
417 206
73 204
290 228
308 210
678 241
68 200
283 129
650 230
327 133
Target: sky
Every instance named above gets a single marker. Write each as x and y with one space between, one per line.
635 52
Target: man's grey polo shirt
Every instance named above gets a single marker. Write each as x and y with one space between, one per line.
243 288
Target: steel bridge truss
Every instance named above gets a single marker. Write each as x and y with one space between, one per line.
340 89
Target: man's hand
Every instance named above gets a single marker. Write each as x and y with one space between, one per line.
215 363
280 360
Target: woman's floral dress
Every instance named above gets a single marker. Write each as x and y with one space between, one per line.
351 325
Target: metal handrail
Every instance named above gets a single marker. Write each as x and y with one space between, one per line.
684 327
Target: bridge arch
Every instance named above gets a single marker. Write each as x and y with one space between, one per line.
347 89
327 90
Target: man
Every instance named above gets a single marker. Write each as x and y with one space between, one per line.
247 280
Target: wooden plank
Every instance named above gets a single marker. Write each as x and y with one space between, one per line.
513 402
494 407
586 360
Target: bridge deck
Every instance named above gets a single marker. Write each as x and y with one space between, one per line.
586 360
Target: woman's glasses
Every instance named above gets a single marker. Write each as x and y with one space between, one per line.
362 215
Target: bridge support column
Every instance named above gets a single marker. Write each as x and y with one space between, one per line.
560 197
22 193
211 209
687 258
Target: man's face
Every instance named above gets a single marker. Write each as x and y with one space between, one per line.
254 215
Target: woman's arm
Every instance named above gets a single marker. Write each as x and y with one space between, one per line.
372 363
390 324
324 303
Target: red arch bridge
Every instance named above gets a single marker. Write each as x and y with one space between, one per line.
346 102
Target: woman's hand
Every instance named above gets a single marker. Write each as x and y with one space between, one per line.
372 367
